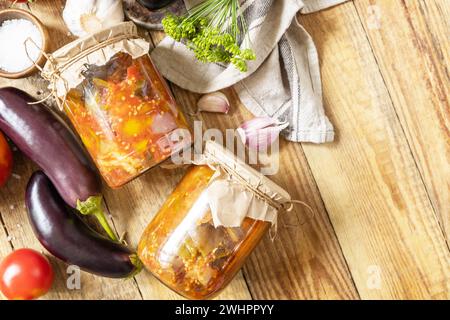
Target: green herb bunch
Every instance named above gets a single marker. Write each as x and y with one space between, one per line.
211 30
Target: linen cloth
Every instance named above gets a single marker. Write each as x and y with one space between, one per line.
284 80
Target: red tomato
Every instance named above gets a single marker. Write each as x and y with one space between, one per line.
5 160
25 274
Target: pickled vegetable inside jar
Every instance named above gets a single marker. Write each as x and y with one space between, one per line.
124 115
118 103
208 226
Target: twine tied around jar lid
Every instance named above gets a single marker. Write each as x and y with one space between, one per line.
64 67
55 73
52 78
228 166
281 206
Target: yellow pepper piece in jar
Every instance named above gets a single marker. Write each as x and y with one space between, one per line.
133 127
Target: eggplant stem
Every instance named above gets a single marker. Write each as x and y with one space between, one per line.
93 206
137 263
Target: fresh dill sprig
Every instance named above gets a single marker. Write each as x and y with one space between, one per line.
212 30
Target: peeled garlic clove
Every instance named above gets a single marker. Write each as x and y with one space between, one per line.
260 133
214 102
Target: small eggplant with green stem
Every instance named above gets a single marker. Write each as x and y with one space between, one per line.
62 232
46 139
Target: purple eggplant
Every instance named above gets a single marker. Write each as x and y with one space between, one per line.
46 139
62 232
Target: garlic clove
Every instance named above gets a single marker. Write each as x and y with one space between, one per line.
214 102
260 140
261 132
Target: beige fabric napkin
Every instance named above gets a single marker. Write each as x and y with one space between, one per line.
284 80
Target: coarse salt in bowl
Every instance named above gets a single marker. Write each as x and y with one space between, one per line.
23 43
18 52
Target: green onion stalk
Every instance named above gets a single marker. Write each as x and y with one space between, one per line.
212 30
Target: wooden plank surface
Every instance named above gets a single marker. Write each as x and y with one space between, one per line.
12 207
368 179
303 251
416 35
381 210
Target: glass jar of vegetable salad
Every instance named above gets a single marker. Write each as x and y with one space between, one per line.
211 222
118 103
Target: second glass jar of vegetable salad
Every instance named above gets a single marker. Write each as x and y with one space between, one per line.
211 222
118 103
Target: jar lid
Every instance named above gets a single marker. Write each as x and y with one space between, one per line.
64 68
253 180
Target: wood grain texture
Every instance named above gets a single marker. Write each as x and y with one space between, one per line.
414 35
12 207
377 191
309 263
50 13
21 236
368 179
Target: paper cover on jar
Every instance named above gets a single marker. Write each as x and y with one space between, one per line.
236 190
65 66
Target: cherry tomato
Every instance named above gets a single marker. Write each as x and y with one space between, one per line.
25 274
5 160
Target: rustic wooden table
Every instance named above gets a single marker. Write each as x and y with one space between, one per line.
381 191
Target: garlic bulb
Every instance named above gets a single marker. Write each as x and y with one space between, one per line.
83 17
